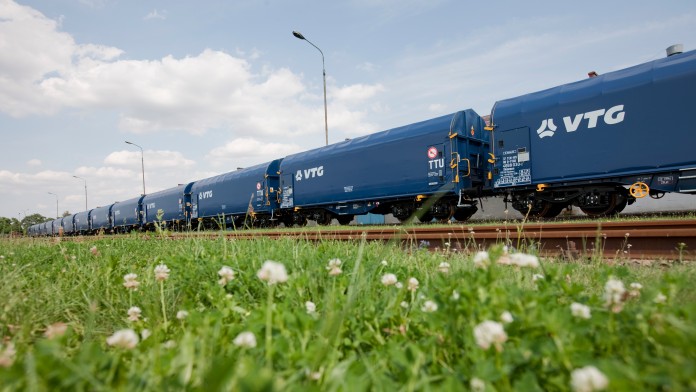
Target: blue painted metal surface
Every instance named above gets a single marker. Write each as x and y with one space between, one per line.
127 214
57 226
232 193
69 224
100 218
168 205
82 222
398 163
636 120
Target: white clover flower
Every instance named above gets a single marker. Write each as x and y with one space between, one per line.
334 267
404 304
398 285
481 259
429 306
245 340
384 263
161 273
488 333
226 275
389 279
144 334
524 260
2 257
94 251
182 314
635 289
614 291
444 267
455 295
134 313
588 379
536 277
315 376
580 310
506 317
7 354
477 385
130 282
311 307
272 272
125 338
55 330
412 284
169 344
660 298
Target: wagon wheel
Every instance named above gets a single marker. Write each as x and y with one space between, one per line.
300 220
324 219
445 216
614 207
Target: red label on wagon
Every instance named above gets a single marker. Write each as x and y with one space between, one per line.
432 152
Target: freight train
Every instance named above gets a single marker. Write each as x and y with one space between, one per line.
598 144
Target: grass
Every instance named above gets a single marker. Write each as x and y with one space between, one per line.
363 336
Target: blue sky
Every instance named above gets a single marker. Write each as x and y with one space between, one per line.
206 87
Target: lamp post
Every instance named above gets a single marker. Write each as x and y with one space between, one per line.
80 178
51 193
142 162
299 35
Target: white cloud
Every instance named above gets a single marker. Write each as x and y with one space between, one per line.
153 159
248 151
366 67
211 90
436 108
34 162
155 14
355 93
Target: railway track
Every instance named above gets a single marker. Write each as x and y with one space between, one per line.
659 239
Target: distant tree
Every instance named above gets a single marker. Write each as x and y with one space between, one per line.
10 225
66 213
32 220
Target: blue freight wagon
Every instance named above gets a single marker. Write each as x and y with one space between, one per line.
57 227
100 219
230 198
168 208
69 225
82 222
393 171
583 142
127 215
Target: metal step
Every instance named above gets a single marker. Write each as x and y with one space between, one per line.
687 181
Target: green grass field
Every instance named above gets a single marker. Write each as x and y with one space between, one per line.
461 325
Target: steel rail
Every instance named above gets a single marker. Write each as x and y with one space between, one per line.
663 239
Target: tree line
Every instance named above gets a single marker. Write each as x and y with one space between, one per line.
14 225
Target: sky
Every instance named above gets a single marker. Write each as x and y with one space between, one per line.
206 87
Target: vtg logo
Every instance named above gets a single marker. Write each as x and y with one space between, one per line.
309 173
611 116
205 195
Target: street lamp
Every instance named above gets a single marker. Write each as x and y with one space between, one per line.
142 162
51 193
299 35
80 178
